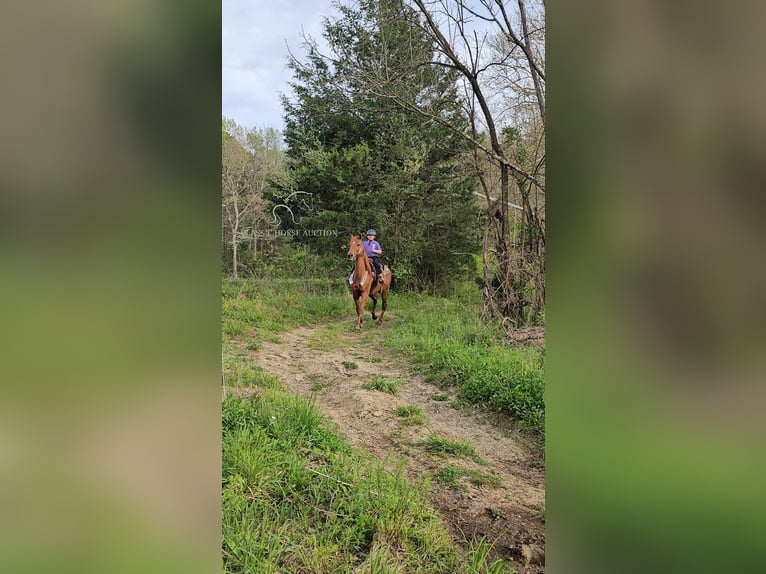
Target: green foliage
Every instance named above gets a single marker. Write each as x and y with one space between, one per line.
254 310
238 373
446 335
451 475
368 162
441 445
479 551
411 414
449 337
384 385
296 497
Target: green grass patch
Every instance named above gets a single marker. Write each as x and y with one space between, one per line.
350 365
439 445
451 476
257 310
384 385
411 414
298 498
238 373
448 339
439 397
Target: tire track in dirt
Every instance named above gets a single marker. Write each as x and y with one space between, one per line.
309 362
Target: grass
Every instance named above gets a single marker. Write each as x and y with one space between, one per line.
329 337
256 310
411 414
451 475
447 338
440 445
240 374
350 365
319 382
297 498
439 397
384 385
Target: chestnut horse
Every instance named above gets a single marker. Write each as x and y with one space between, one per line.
364 284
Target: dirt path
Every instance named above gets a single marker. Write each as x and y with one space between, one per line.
310 362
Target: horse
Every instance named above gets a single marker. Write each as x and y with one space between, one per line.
364 284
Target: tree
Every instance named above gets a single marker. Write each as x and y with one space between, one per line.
496 49
371 162
251 160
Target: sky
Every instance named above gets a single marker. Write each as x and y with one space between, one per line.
256 36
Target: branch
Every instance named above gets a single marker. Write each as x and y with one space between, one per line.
491 153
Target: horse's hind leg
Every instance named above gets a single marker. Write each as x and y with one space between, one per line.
383 304
374 304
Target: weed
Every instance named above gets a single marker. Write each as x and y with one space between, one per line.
443 446
450 476
350 365
297 498
439 397
454 348
240 374
479 555
411 414
384 385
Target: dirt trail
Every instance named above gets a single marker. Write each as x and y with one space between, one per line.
309 362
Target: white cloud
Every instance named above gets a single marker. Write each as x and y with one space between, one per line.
255 37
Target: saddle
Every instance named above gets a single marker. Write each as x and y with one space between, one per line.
376 277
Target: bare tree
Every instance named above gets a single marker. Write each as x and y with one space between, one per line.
251 159
268 165
496 49
237 195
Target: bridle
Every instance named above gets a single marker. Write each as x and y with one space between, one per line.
355 252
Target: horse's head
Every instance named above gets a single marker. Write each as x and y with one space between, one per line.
355 248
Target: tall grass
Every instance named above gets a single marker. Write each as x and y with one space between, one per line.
449 338
445 336
256 309
298 498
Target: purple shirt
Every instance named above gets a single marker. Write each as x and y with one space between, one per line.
368 247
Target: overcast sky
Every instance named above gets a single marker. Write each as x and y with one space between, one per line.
256 35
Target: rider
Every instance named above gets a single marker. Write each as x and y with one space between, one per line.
373 249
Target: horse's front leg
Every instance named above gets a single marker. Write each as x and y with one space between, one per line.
360 303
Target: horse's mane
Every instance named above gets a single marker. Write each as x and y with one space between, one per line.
363 255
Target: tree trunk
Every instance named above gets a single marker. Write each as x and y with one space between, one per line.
234 263
235 247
